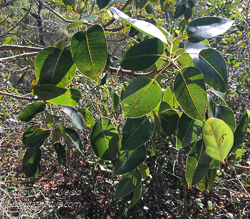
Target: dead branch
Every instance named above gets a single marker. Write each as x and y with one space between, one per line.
21 48
20 56
236 165
2 5
16 96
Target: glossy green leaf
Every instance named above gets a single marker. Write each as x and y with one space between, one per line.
207 180
214 69
197 164
74 137
136 196
190 92
31 161
141 97
129 160
128 183
218 138
211 106
143 26
58 95
31 110
170 99
136 132
61 153
102 3
89 51
37 138
142 55
240 132
221 95
28 132
74 115
115 100
169 120
105 140
188 131
87 115
226 114
54 66
183 58
207 27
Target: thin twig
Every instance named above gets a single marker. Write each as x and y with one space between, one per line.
20 56
2 5
21 48
17 96
236 165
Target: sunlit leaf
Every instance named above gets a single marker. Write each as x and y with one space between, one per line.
74 115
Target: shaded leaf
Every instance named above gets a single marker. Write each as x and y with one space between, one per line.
28 132
188 131
211 106
105 140
74 137
136 196
136 132
61 153
37 138
180 10
102 3
169 120
115 100
54 66
87 115
142 55
214 69
140 97
226 114
170 99
31 110
129 160
207 180
128 183
31 161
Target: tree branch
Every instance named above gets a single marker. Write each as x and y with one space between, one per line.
236 165
112 20
20 48
16 96
20 56
2 5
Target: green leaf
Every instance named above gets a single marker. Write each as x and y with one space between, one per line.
214 69
28 132
31 110
102 3
37 138
74 137
170 99
197 164
188 13
226 114
144 170
142 26
89 51
207 180
54 66
87 115
129 160
141 97
74 115
211 106
31 161
240 132
57 95
136 196
180 10
221 95
115 100
169 120
190 92
128 183
188 131
139 3
105 140
136 132
56 135
207 27
193 49
142 55
218 138
61 153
